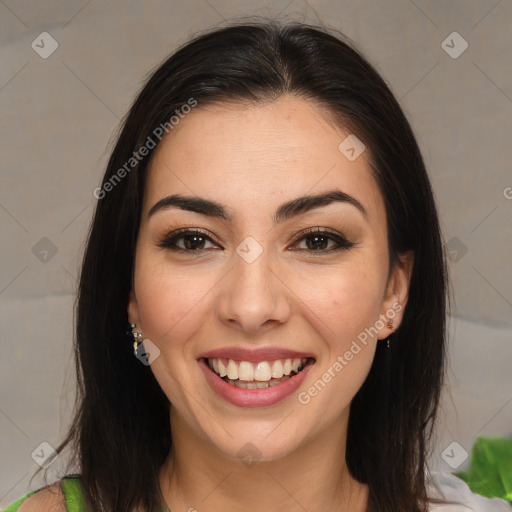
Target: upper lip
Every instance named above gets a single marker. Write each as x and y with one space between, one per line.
254 355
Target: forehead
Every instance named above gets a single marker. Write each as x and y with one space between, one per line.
252 156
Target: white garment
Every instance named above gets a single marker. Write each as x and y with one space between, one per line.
451 488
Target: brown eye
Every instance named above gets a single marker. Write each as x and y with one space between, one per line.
186 240
318 240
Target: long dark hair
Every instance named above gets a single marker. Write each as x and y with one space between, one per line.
120 434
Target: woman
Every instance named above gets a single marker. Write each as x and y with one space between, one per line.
267 228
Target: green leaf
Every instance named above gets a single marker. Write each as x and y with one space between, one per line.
490 472
463 475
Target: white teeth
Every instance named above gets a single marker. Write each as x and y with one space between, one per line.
246 371
260 372
222 369
232 370
257 385
277 369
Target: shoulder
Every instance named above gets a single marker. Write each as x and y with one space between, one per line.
47 499
64 495
458 497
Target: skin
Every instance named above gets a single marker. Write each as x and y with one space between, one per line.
252 159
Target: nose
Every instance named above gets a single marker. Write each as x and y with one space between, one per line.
253 297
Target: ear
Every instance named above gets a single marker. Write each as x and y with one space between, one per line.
397 293
133 310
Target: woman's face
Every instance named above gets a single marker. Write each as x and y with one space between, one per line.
253 288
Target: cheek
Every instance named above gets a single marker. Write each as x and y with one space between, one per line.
343 302
170 302
341 316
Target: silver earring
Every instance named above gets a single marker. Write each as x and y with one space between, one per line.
137 339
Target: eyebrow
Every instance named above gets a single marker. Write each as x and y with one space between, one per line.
286 211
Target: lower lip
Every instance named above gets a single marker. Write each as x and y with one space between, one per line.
254 397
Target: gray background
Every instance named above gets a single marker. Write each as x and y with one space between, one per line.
58 117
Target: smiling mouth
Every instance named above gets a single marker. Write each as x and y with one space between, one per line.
257 375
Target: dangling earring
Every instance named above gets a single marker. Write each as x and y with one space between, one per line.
389 322
137 339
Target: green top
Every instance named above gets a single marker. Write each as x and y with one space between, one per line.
71 489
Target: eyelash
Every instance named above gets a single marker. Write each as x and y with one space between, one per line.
168 241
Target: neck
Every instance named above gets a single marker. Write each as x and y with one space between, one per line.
197 476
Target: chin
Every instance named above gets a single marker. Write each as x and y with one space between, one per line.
257 447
